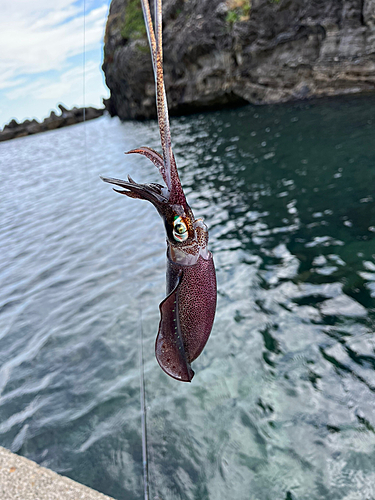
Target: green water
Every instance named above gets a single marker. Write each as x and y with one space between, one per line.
282 404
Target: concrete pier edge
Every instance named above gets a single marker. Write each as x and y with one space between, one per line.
22 479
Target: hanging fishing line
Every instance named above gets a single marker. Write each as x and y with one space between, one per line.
89 177
84 62
84 84
143 417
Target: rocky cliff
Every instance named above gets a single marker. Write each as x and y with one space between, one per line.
225 53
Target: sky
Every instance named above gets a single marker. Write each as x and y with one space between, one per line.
43 47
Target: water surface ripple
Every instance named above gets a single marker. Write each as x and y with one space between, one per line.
282 405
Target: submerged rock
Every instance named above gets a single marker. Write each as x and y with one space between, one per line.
231 52
67 117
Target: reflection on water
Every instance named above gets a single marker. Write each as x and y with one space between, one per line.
282 404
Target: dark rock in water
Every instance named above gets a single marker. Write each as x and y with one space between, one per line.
11 125
32 128
235 51
78 112
53 121
62 109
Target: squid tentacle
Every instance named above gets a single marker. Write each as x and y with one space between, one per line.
172 179
154 156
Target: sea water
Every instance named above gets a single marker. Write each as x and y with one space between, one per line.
282 405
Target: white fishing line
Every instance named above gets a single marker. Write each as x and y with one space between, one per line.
143 416
89 177
84 86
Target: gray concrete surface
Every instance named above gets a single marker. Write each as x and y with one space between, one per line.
22 479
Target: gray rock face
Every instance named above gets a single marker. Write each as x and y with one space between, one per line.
215 54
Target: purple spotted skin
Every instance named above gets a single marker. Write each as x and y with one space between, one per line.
187 315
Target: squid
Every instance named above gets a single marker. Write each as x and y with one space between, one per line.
187 313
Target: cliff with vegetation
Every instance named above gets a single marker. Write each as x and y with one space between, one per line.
219 53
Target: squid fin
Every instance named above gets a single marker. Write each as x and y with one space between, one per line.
169 347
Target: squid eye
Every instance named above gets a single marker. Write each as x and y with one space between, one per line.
180 232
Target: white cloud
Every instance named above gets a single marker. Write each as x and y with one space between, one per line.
32 46
40 41
7 80
69 81
37 99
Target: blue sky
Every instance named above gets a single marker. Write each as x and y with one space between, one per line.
41 56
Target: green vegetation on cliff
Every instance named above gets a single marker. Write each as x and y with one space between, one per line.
134 27
238 10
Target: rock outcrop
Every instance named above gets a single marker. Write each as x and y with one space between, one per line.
53 121
230 52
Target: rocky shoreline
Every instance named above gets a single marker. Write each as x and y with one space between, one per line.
67 117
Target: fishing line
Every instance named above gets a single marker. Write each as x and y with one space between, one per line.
84 83
141 360
84 62
89 178
143 417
